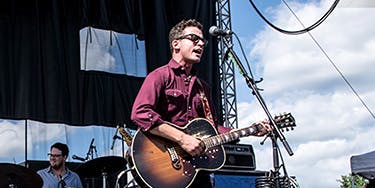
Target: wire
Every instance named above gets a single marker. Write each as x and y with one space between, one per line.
313 26
343 77
244 56
319 46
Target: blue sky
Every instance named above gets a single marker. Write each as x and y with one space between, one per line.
332 124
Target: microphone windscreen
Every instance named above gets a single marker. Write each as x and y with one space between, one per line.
213 30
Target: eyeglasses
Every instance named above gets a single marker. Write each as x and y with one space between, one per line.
194 38
54 155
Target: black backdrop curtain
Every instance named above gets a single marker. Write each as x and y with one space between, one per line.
40 76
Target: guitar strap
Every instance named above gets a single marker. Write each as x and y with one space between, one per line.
206 105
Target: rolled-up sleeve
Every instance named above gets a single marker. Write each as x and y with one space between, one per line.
144 113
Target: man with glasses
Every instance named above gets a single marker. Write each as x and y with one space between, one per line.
172 94
57 175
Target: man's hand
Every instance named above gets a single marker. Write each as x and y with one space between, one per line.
191 145
265 128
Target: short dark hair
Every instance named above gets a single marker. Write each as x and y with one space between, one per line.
177 30
62 147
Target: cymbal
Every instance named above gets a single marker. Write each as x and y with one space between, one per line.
19 176
100 165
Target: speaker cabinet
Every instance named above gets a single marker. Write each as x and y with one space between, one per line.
239 157
237 178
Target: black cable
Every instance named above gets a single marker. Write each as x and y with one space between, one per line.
343 77
316 42
334 65
313 26
244 56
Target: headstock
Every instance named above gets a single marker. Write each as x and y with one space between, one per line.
285 121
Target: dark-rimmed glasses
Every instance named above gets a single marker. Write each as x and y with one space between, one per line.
194 38
54 155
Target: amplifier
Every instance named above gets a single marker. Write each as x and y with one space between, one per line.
239 157
237 179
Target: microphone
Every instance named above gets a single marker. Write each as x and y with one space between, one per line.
75 157
215 31
115 137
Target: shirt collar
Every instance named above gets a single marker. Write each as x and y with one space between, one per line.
66 169
175 65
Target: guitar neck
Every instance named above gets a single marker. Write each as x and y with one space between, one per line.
230 136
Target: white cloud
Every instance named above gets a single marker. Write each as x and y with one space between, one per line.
13 139
332 124
10 144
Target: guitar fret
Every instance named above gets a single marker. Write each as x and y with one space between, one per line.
236 134
212 143
208 144
243 132
218 139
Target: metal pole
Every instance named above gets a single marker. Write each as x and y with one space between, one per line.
26 163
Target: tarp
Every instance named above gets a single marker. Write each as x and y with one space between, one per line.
364 165
40 75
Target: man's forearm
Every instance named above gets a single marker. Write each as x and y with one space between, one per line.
169 132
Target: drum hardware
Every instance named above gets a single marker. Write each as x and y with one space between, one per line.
13 176
102 166
131 183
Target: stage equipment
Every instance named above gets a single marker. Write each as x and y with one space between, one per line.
215 31
239 157
13 175
92 149
282 182
127 137
115 137
102 166
75 157
225 178
276 135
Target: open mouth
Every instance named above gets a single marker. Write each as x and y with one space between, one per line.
198 51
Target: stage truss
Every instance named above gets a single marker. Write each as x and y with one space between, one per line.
227 77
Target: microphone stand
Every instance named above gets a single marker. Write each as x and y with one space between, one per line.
276 133
92 148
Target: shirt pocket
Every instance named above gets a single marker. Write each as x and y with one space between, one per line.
175 98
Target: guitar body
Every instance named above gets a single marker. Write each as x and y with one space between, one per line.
158 162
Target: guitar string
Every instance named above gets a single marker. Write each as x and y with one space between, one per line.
233 135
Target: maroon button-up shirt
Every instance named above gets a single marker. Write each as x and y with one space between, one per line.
168 94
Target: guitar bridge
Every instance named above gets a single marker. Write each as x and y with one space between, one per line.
174 157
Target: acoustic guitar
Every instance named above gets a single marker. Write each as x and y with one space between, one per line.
158 162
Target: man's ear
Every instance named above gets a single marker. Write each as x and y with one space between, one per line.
176 44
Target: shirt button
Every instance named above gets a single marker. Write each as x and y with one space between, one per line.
189 108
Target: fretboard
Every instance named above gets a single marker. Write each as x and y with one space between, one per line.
230 136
